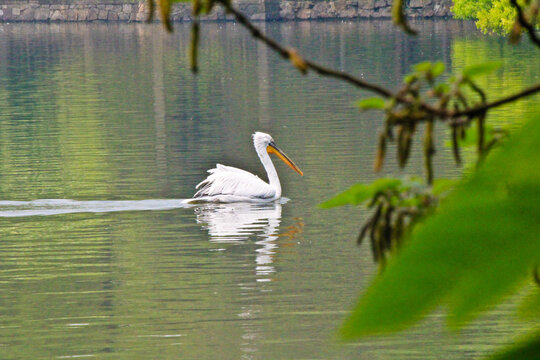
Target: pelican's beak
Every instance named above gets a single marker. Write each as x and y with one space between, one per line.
273 149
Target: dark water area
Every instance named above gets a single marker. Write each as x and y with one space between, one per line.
104 130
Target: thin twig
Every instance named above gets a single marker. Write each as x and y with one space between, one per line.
482 108
285 53
432 110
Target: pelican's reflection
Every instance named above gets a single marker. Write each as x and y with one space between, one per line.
238 222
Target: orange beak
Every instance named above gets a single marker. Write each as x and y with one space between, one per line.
273 149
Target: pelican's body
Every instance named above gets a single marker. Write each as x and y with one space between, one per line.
230 184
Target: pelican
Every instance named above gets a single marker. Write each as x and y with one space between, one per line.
229 184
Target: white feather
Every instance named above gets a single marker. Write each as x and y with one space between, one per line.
233 183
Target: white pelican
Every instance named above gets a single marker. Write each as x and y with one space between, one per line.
230 184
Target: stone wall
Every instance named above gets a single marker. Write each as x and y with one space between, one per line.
115 10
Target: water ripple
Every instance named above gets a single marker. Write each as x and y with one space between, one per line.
46 207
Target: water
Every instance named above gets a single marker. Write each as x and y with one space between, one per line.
103 132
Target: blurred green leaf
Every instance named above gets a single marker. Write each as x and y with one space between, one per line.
359 193
528 349
477 247
443 185
481 69
471 136
423 66
409 78
412 201
438 69
371 103
442 88
530 306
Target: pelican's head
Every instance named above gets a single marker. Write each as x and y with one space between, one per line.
263 141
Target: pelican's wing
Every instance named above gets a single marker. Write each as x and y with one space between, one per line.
228 180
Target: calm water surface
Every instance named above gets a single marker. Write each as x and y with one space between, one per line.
103 129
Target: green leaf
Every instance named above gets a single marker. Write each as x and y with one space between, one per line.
528 349
481 69
438 69
442 88
371 103
359 193
410 78
530 306
412 201
479 246
443 185
423 66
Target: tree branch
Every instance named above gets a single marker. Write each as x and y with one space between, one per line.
286 54
524 23
484 107
291 55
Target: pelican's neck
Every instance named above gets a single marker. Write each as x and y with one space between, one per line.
273 178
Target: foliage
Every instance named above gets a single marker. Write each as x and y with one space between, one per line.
371 103
398 204
475 260
359 193
530 306
492 15
459 93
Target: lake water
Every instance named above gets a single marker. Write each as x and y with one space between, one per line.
103 130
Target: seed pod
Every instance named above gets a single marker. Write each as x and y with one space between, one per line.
379 242
151 9
374 246
400 142
398 229
381 150
429 150
480 129
194 46
387 229
455 145
462 133
374 234
405 145
363 232
165 12
197 7
389 130
398 15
